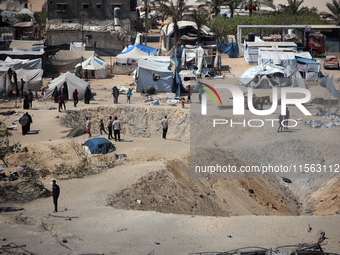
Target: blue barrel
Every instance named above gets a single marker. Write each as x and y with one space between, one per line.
116 12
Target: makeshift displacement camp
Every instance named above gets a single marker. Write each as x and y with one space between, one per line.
132 53
154 72
72 82
99 146
66 60
98 66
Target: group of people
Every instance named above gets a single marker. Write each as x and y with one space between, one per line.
115 93
111 125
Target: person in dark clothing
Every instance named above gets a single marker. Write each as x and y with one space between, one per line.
55 194
22 88
86 75
109 127
10 73
63 100
280 123
115 93
102 128
65 90
286 118
30 98
55 94
26 105
87 96
15 78
75 97
25 122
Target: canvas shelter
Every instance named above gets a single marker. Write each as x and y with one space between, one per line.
5 84
66 60
310 67
77 46
251 49
99 145
249 75
15 64
132 53
33 79
73 82
97 65
328 83
154 72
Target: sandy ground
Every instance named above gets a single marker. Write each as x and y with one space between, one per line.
102 229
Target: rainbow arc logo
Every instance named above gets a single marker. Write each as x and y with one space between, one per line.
210 94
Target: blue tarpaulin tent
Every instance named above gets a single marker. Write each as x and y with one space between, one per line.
100 145
230 48
142 47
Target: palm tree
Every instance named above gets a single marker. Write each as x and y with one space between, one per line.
214 5
200 18
175 12
334 8
232 4
293 6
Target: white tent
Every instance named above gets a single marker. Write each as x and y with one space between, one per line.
132 53
73 82
77 46
5 84
33 78
99 66
155 73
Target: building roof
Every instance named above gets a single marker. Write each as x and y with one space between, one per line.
26 45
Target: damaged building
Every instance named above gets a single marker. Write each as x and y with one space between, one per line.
106 25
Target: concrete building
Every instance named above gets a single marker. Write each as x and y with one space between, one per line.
99 11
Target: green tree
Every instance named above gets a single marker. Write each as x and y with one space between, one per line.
232 4
200 18
334 9
175 12
293 7
214 5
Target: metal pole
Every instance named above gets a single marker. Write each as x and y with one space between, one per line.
146 22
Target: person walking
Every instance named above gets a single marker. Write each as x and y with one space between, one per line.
55 195
15 78
101 127
88 126
75 97
286 118
25 105
165 125
129 93
30 99
60 104
116 129
63 100
55 94
189 94
109 127
200 90
25 122
280 123
115 93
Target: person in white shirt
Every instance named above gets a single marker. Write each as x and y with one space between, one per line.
116 129
165 126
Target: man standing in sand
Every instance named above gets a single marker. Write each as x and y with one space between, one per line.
286 118
88 126
109 127
280 123
116 129
165 126
55 194
75 97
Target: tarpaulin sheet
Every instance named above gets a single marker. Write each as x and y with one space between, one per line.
230 48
